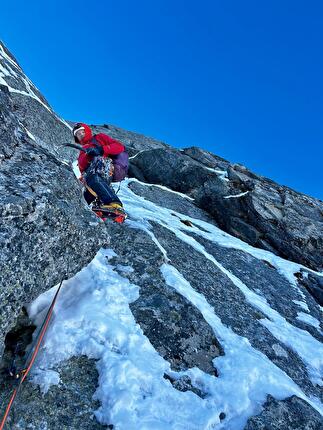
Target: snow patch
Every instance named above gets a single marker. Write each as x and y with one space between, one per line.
222 174
308 319
302 305
142 211
234 196
93 317
124 269
162 187
255 375
6 70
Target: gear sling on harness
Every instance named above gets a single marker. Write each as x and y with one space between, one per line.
120 163
102 166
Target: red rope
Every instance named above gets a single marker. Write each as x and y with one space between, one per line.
32 355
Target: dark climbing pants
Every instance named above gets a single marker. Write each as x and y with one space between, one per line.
103 190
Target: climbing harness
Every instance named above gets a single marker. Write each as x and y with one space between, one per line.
106 168
21 375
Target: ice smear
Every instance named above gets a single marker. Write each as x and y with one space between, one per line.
162 187
134 156
92 317
302 305
209 232
222 174
309 349
30 135
308 319
76 169
6 70
8 58
234 196
124 269
146 227
304 344
255 375
40 143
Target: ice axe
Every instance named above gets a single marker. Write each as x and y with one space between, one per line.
75 146
80 147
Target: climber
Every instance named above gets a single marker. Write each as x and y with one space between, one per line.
103 160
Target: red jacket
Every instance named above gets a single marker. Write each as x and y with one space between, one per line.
110 147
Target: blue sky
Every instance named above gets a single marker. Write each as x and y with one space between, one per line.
242 79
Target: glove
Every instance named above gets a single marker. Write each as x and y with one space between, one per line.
94 152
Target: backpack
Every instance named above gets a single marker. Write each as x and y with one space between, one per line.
120 163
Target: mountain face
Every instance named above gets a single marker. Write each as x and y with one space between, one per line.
203 311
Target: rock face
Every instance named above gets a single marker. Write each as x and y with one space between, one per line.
290 414
68 406
159 310
44 227
171 323
248 206
47 233
313 284
133 141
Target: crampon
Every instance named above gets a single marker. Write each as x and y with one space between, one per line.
117 215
